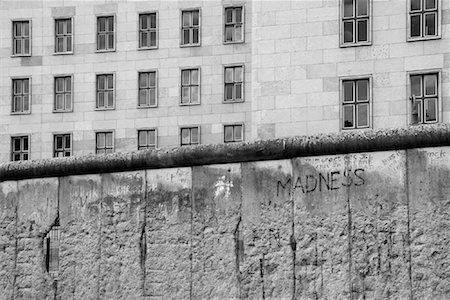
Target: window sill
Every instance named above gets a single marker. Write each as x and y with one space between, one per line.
63 53
146 106
360 128
189 104
355 45
233 42
104 108
428 38
232 101
189 45
147 48
105 51
62 111
21 113
21 55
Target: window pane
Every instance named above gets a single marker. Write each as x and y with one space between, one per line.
59 102
362 89
69 43
185 36
153 38
26 29
194 94
185 136
229 75
430 110
110 23
143 21
111 41
69 26
26 103
17 29
229 15
348 32
195 36
17 46
100 140
238 89
238 33
109 139
416 4
348 116
26 46
25 156
26 86
152 96
348 91
238 16
17 86
67 141
17 104
142 138
143 97
153 21
110 99
110 79
229 33
362 31
430 4
362 7
185 77
101 42
430 24
101 25
430 85
185 95
416 86
416 113
186 18
16 142
238 132
238 74
68 101
229 91
101 82
152 137
144 39
143 80
348 8
228 133
194 77
68 85
59 142
194 135
195 18
415 25
363 115
152 78
25 143
101 100
59 85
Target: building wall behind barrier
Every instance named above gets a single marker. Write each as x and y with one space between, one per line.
372 225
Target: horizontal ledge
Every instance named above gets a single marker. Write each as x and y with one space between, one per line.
301 146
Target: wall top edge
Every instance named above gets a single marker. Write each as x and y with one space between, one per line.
300 146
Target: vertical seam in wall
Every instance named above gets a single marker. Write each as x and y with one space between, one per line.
100 238
192 231
408 233
144 275
349 215
292 241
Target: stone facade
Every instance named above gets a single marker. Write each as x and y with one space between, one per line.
293 66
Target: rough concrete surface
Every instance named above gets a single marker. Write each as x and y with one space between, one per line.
371 225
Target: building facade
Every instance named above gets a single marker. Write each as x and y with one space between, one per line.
81 77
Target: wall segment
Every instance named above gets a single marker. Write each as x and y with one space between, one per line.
355 225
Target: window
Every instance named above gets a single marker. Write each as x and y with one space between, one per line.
21 96
105 33
148 31
147 89
190 30
233 133
62 145
423 19
190 136
63 36
190 86
104 142
63 93
105 91
20 148
22 38
234 83
51 250
424 98
355 101
355 27
146 139
234 25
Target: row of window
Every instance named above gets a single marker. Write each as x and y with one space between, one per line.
190 32
147 86
423 17
424 100
104 141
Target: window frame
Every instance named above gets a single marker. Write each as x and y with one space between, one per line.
62 134
55 35
139 30
409 97
190 127
97 33
55 94
21 136
147 129
97 91
199 27
234 82
190 85
23 112
343 44
234 125
30 37
242 6
354 102
138 105
113 143
422 12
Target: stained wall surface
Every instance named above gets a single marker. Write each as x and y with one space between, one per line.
356 226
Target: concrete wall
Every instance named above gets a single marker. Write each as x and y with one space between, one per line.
355 226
